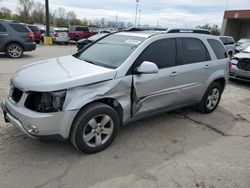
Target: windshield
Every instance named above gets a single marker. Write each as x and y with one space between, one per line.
111 51
97 36
247 50
241 41
245 45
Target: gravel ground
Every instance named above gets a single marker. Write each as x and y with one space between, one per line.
179 149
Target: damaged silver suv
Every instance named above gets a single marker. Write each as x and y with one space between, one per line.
120 78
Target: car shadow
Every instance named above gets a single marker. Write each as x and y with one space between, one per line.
25 56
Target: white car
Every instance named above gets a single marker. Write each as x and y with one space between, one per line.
229 44
60 35
122 77
241 66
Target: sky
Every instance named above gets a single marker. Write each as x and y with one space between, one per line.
167 13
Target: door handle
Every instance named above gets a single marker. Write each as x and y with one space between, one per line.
207 66
174 73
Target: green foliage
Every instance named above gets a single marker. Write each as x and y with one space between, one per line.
29 11
5 13
214 29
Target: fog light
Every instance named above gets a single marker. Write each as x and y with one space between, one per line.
32 129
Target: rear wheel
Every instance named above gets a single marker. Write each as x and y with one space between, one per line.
211 98
94 128
14 50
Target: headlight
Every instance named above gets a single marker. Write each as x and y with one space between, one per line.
46 102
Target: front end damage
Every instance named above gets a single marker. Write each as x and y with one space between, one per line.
51 114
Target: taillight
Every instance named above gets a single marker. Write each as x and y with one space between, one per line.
55 34
230 65
31 36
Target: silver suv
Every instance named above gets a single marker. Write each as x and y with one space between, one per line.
120 78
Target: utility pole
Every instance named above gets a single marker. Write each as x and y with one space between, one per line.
47 16
136 12
227 5
139 20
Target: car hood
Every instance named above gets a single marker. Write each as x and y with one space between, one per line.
242 55
60 73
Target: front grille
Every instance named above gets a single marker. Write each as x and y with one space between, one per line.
16 94
244 64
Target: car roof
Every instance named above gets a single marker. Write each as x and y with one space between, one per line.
148 34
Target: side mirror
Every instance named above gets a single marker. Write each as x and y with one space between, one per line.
147 68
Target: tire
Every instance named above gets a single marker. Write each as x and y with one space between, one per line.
211 98
88 124
66 43
38 42
77 38
14 50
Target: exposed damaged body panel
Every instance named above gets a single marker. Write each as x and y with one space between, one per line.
118 89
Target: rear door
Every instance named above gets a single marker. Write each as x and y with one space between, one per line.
193 69
4 35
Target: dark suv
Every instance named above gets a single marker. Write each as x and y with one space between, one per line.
15 38
79 32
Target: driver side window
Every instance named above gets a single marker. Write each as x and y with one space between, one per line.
161 52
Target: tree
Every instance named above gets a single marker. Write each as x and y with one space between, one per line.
61 17
38 13
24 9
215 30
5 13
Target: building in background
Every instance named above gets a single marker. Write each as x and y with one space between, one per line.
236 23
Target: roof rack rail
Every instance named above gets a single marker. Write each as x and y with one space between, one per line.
185 30
140 28
14 21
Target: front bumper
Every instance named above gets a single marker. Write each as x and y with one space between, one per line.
239 74
52 126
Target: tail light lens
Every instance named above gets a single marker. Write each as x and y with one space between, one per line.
31 36
230 66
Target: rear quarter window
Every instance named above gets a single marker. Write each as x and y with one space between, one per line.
230 40
218 48
20 28
33 28
223 40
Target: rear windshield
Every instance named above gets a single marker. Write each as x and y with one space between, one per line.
81 29
111 51
218 48
33 28
20 28
60 30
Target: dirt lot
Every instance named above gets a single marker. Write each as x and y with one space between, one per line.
173 150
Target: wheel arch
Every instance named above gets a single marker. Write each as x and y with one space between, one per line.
113 103
13 42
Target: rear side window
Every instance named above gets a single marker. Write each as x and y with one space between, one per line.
224 40
2 28
230 40
82 29
33 28
20 28
218 48
192 50
161 52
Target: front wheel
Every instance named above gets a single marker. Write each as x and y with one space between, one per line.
211 98
94 128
